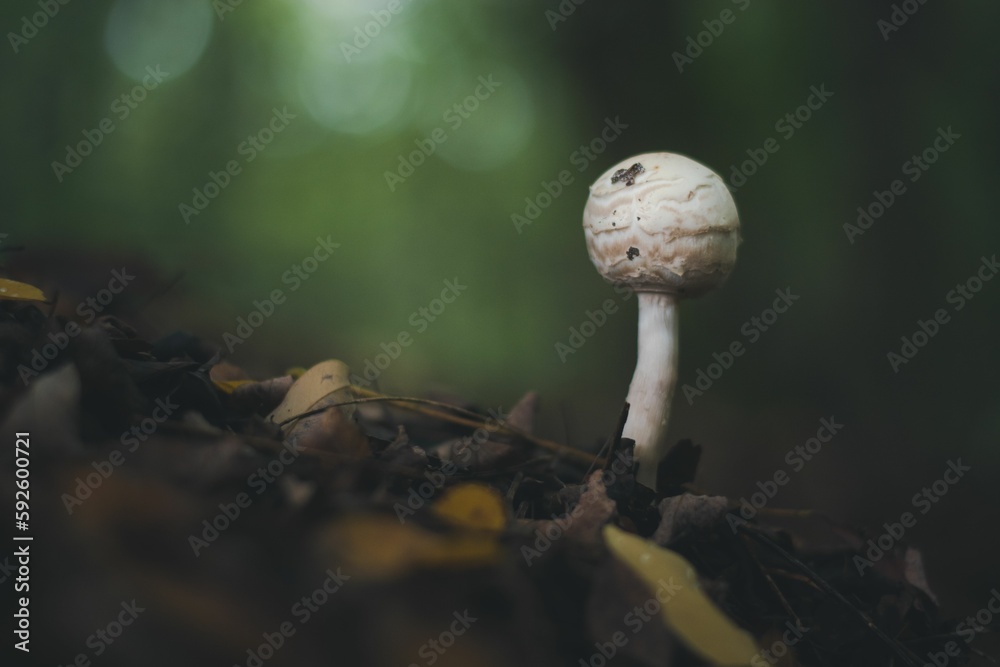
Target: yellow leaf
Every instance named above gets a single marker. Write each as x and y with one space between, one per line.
688 612
377 546
228 386
11 290
475 506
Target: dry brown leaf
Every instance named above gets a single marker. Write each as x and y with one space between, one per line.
593 511
225 371
266 394
686 511
331 431
522 415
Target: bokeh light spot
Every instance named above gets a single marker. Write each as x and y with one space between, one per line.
357 98
150 33
491 124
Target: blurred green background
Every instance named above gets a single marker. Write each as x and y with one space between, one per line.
363 103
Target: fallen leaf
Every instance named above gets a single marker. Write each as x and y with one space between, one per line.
297 491
330 431
474 453
225 371
687 612
678 466
264 394
687 511
915 573
327 381
325 385
11 290
229 386
381 547
593 511
474 506
522 415
50 411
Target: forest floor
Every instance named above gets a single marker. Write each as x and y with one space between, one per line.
185 513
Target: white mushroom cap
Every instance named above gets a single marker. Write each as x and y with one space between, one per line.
669 227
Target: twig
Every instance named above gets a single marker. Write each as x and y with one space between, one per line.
904 654
774 587
514 486
476 421
795 576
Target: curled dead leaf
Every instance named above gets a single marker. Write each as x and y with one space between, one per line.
687 511
304 421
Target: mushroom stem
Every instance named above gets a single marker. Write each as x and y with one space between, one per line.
652 386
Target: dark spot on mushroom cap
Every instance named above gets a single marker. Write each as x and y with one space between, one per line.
632 253
628 175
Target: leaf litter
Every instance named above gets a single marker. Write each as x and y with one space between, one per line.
226 505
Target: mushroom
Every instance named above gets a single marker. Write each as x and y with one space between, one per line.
666 227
